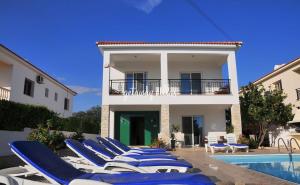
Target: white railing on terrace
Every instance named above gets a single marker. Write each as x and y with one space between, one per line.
4 93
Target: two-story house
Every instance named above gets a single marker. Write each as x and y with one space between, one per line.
150 86
285 77
23 82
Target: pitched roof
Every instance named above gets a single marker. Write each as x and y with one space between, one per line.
278 70
38 69
236 43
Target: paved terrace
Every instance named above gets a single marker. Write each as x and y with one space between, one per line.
220 172
227 174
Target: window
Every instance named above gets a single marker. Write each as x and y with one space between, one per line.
278 85
55 96
66 104
46 92
298 93
29 87
135 81
190 83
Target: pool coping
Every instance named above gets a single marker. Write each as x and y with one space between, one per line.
226 173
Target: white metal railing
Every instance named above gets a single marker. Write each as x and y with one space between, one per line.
4 93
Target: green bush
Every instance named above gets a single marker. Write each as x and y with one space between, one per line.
53 139
17 116
253 144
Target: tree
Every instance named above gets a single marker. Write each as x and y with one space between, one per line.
262 110
84 121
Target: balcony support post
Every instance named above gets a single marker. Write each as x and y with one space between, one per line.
165 123
164 72
232 74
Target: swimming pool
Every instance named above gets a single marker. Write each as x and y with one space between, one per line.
279 165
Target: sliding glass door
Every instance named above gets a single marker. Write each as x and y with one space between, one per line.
190 83
135 82
192 127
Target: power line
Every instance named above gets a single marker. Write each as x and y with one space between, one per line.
210 20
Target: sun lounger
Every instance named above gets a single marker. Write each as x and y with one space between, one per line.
143 166
44 163
232 143
213 144
118 151
126 148
105 154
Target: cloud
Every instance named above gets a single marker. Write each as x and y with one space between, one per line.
144 5
85 90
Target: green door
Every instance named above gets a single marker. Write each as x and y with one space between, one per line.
124 129
123 126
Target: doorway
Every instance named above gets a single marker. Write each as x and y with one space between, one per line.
137 127
192 127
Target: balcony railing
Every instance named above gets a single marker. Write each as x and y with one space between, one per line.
199 86
176 86
4 93
298 93
131 87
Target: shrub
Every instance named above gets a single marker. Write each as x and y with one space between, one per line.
53 139
17 116
252 143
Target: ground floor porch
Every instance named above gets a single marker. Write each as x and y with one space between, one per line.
142 124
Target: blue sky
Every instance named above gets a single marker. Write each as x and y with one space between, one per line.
59 35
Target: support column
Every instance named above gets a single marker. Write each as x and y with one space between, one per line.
164 72
104 120
236 119
164 123
232 74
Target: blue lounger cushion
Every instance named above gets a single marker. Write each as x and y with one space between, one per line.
52 166
218 145
110 146
127 148
101 149
119 152
98 161
238 145
83 151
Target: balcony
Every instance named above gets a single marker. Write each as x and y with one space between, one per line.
176 87
135 87
4 94
199 86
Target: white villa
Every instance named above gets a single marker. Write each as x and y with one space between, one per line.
22 82
150 86
285 77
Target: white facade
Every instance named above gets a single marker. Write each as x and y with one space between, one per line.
163 68
288 76
13 72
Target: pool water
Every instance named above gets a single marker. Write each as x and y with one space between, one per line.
279 165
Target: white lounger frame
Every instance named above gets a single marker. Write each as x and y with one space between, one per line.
119 166
122 157
214 140
12 176
232 139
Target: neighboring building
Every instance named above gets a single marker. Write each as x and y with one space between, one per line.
285 77
150 86
22 82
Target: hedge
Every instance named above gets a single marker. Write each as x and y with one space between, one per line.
17 116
